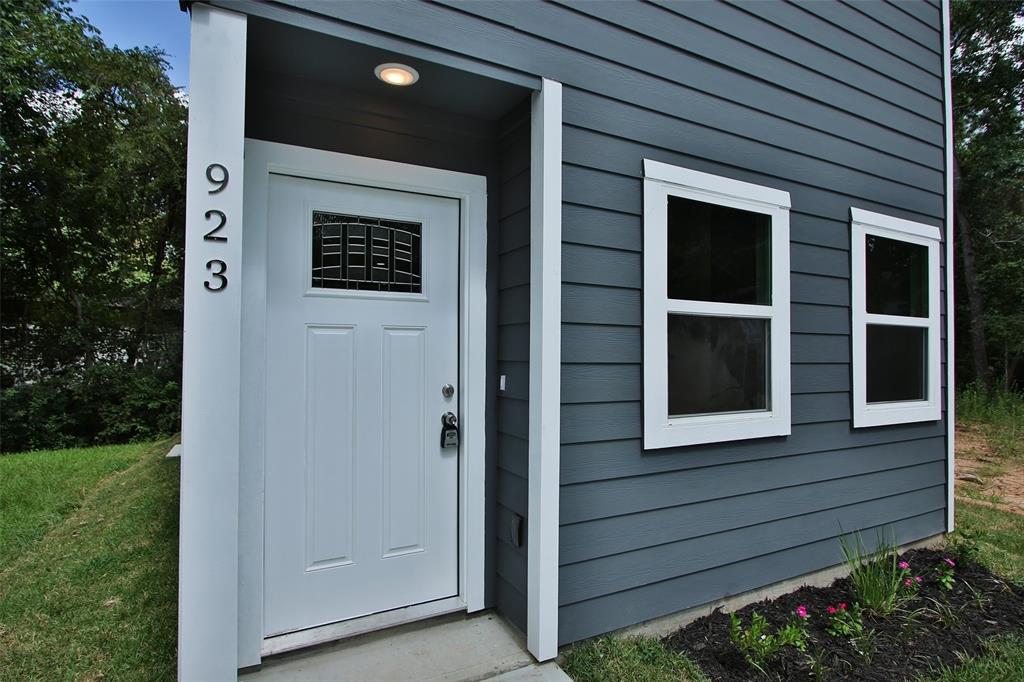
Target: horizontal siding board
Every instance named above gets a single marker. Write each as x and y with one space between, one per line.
819 378
831 290
602 499
927 13
597 577
511 603
515 231
514 305
721 34
514 417
818 260
601 383
600 168
605 537
601 305
513 454
772 152
514 268
595 227
596 616
600 421
600 343
514 343
820 407
512 491
511 565
815 230
883 37
515 195
804 26
891 17
605 460
827 58
597 265
807 318
813 348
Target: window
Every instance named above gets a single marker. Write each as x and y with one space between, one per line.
716 308
367 254
896 341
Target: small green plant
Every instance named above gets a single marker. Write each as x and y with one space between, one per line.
944 574
844 622
964 546
759 645
879 578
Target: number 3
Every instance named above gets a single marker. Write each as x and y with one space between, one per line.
222 280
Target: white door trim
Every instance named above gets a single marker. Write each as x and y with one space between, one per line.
545 370
948 234
261 160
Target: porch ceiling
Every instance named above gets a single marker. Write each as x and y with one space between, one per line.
283 50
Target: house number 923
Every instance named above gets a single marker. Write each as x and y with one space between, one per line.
217 174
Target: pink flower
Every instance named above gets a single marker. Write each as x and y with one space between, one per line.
917 578
904 565
831 609
801 611
908 582
842 606
949 561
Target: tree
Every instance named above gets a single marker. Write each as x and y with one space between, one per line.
92 140
987 46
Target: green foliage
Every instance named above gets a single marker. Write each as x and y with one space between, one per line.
996 539
103 403
95 597
987 46
877 576
1003 661
759 644
630 659
92 151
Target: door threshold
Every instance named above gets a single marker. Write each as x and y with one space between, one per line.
278 644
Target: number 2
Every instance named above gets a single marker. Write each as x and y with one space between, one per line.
222 280
212 235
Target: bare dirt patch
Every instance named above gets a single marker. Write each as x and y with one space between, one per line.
984 477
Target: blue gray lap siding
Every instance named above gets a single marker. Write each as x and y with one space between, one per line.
840 104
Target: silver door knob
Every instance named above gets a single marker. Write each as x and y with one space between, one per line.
447 390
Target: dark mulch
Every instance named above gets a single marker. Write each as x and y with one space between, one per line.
905 644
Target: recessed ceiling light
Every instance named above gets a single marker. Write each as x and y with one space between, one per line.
397 74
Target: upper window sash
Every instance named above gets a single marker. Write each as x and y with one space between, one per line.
865 414
661 430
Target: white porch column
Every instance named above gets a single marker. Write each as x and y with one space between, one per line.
545 370
208 536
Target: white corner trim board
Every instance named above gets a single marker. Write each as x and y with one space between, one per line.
208 531
865 414
947 91
660 429
545 369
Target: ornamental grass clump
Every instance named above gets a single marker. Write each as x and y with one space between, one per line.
879 578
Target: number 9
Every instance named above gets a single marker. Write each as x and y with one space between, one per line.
221 182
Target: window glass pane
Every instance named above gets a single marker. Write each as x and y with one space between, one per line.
716 364
897 361
897 277
368 254
718 254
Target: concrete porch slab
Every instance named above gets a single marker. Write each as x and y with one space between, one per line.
455 648
538 672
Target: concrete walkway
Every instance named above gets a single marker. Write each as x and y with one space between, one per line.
456 648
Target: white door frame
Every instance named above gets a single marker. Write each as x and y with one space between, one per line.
261 160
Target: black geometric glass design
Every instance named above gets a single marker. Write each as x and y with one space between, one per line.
367 254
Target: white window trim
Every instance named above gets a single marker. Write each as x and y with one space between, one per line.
863 223
661 431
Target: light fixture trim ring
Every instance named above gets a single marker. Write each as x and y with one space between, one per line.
412 73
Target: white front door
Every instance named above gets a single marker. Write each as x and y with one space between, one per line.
362 336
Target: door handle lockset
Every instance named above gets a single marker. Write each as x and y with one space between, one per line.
449 430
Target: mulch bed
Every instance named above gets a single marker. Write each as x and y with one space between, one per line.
903 645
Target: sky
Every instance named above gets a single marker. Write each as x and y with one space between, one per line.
142 23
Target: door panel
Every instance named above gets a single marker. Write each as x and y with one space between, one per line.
361 501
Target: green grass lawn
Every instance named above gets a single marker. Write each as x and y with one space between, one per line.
88 580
